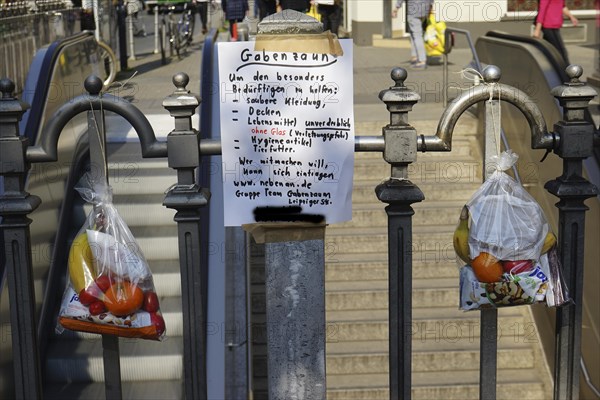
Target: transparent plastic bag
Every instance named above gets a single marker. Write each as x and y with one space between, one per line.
504 238
110 289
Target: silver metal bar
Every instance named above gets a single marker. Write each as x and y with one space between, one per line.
212 147
442 141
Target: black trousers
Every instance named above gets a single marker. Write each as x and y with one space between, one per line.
202 9
553 36
330 17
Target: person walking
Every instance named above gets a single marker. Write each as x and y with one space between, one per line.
331 14
416 13
266 8
549 21
201 7
235 11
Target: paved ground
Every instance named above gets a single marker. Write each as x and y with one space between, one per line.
372 66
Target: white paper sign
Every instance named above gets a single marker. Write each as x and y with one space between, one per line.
287 131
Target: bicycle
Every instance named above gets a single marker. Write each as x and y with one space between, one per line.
177 35
108 61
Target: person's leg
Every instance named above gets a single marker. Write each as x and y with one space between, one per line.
554 37
203 11
416 36
336 16
325 17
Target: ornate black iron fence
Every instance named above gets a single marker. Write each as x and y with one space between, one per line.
572 139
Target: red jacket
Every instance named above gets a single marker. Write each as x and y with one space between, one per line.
550 13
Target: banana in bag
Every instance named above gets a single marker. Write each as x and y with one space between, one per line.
506 243
110 288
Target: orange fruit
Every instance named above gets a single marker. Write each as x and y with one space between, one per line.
123 298
487 268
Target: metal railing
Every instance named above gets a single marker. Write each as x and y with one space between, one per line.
572 140
22 35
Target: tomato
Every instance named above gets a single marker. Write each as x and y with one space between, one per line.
97 307
517 267
90 294
150 302
487 268
103 282
158 321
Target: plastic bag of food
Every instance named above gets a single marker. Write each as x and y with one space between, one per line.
504 238
110 289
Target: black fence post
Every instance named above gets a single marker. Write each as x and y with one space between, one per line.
576 143
399 193
15 205
187 198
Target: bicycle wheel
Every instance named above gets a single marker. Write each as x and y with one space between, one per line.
182 37
190 22
109 64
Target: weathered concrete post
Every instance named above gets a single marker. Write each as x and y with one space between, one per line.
294 278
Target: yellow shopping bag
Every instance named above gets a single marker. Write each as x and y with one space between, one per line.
434 36
313 12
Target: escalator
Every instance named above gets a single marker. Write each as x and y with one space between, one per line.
539 69
72 364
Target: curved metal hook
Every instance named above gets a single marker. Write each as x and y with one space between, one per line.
442 141
48 148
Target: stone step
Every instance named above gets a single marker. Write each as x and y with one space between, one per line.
442 358
426 293
447 385
338 269
429 243
520 356
426 213
443 324
141 360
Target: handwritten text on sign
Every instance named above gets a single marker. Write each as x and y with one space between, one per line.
287 131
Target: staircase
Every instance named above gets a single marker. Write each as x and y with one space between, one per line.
445 361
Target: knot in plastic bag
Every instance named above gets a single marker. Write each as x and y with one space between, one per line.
93 190
505 160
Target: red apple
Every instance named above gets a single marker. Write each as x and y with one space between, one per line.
150 302
97 308
517 267
158 321
103 282
90 294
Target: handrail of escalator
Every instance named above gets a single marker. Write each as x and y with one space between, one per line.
559 66
552 55
38 82
37 87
